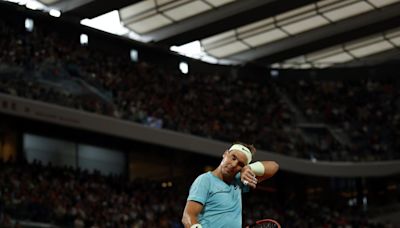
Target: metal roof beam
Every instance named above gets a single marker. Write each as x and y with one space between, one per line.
374 60
342 31
93 8
222 19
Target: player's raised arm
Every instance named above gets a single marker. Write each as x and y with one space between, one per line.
257 172
264 169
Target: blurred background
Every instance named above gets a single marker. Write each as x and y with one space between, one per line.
110 109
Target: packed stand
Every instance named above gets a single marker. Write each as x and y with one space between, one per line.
199 104
39 64
308 214
68 197
75 198
367 110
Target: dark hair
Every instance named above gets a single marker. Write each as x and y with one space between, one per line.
248 146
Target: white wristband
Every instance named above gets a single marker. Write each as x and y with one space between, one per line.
196 226
258 168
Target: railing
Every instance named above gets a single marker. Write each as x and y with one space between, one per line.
55 114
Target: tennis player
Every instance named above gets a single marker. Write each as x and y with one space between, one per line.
215 198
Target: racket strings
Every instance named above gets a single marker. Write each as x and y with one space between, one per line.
265 225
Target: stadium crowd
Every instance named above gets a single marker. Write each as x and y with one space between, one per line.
69 197
367 110
48 66
75 198
37 64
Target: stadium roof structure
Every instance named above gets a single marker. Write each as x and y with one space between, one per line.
277 33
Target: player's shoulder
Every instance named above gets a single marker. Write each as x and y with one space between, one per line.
204 177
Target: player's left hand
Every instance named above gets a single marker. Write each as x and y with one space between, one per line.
248 177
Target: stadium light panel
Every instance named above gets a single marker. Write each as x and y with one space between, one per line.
29 24
34 5
84 39
184 67
134 55
55 13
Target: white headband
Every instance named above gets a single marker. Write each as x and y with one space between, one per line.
242 149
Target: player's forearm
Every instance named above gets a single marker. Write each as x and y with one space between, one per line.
264 169
271 167
189 220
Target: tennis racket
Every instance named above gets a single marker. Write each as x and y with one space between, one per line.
265 223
